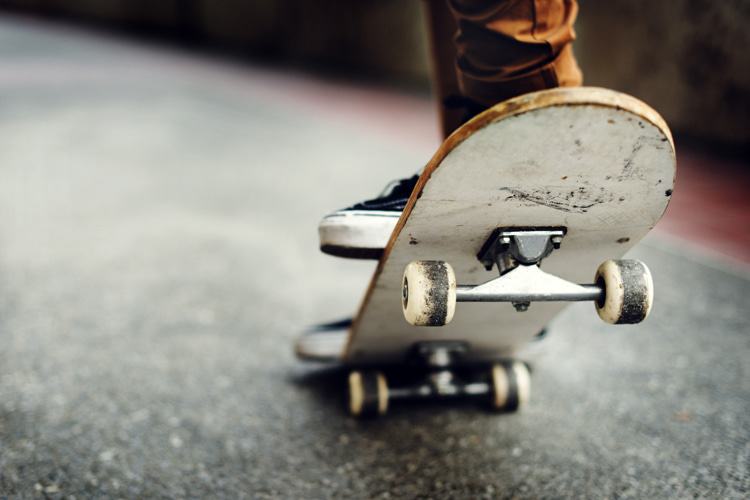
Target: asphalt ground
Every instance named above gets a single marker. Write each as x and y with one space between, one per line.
158 256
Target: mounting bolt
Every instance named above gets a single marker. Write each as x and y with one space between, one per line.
556 240
521 306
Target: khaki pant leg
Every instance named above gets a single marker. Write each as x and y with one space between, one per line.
511 47
501 49
441 29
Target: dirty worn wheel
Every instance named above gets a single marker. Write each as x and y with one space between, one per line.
429 293
368 393
511 385
628 291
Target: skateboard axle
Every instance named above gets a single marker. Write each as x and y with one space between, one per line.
525 284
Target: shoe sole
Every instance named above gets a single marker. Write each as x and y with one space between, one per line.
357 234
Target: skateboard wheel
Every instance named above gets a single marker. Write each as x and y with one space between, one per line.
628 291
511 385
368 393
429 293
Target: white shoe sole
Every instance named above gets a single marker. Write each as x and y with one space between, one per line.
361 234
324 347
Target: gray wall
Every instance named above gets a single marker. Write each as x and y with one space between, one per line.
690 59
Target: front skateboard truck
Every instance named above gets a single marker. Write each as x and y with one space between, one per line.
622 290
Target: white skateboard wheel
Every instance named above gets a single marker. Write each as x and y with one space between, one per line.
429 293
511 386
628 291
368 393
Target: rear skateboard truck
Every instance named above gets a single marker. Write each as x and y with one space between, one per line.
505 385
622 291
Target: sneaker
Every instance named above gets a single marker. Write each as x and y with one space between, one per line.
362 231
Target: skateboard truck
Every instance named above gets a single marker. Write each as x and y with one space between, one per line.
518 254
511 249
622 290
505 385
439 357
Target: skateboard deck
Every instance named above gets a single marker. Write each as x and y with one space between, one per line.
596 164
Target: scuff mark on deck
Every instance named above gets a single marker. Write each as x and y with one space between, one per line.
629 166
572 201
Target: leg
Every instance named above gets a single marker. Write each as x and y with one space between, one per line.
501 49
441 28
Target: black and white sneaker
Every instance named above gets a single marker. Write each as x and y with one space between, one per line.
362 230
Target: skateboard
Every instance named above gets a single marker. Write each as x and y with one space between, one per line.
528 206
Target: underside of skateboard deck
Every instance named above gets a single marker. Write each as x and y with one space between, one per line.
512 218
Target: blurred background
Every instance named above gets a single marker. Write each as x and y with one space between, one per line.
687 58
